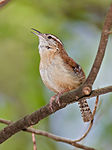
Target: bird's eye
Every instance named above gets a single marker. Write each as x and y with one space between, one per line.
47 47
49 37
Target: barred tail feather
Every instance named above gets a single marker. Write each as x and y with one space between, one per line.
85 110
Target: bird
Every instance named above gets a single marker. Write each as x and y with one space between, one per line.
59 72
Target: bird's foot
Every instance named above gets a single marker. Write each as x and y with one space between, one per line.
52 99
59 95
56 98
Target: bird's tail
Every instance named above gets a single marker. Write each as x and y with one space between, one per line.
85 110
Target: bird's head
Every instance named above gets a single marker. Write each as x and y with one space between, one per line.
47 42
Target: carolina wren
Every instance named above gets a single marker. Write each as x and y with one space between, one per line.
59 72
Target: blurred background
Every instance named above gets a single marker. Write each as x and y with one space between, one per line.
78 24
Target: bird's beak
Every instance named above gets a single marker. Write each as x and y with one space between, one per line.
37 33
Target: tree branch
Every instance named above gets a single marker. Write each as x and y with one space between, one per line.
101 50
84 91
57 138
3 2
38 115
51 136
91 123
68 98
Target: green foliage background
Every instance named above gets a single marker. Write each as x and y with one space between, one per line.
21 88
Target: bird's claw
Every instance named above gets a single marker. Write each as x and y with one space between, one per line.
56 99
51 102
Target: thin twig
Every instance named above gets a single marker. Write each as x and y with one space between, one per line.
96 105
34 141
91 123
86 133
5 121
59 139
51 136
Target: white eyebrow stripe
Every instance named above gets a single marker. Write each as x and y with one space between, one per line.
55 38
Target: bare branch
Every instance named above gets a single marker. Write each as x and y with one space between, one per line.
34 141
101 50
59 139
91 123
51 136
3 2
68 98
38 115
